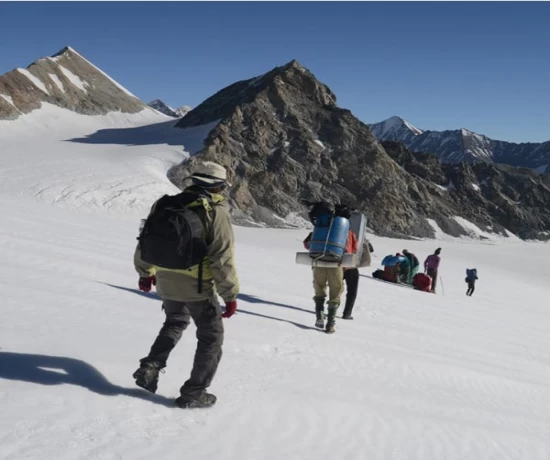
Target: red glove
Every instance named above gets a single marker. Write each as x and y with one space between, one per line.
230 309
145 284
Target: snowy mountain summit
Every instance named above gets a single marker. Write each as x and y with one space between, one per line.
463 145
164 108
183 110
395 128
67 80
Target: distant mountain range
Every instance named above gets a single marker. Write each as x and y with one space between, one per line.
164 108
461 145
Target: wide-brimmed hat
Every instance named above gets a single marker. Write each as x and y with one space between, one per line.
210 174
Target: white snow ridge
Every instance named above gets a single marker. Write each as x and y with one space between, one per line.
35 80
414 376
74 79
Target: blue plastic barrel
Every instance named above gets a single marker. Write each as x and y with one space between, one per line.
328 241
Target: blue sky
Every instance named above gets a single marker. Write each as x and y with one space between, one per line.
484 66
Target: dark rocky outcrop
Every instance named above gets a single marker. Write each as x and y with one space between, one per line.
284 139
494 196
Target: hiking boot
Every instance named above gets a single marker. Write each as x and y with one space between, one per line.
319 312
147 376
347 313
331 319
202 401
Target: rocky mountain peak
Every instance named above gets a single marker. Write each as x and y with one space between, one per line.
67 50
183 110
162 107
284 140
395 129
65 79
289 82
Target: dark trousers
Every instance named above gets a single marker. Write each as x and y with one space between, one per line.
433 274
471 287
351 277
207 317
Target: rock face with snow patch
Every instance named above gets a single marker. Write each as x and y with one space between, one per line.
461 145
67 80
283 139
162 107
496 197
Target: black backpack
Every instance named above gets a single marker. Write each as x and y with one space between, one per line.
172 236
321 211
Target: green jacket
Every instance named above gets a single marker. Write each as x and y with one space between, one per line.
219 272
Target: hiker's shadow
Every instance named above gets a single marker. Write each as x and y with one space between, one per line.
60 370
254 299
301 326
243 297
149 295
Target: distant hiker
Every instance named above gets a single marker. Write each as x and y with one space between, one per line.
351 276
431 267
190 236
471 277
331 276
414 264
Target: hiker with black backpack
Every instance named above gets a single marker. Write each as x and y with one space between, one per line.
186 247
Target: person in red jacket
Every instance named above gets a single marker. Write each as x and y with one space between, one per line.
351 277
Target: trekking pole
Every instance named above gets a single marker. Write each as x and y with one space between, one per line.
442 287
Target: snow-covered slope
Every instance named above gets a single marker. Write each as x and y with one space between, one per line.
115 162
462 145
414 376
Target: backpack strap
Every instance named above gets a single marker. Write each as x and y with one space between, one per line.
207 202
200 277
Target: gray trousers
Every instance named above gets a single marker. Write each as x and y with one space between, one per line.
207 316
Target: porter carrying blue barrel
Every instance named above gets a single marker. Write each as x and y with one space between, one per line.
330 233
